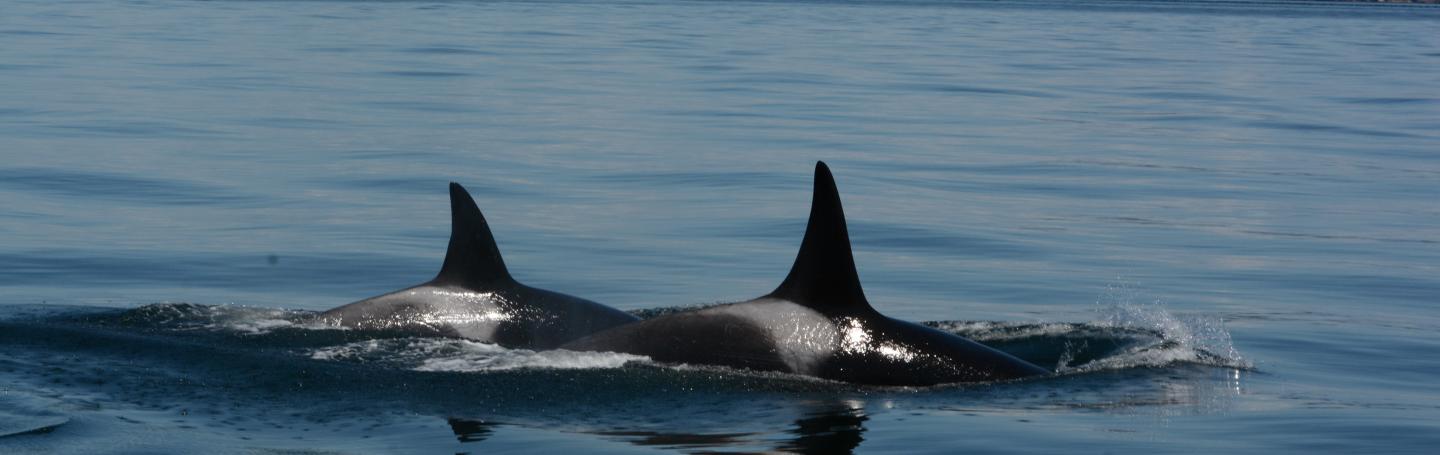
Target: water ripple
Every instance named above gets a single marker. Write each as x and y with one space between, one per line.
950 88
424 186
424 106
1322 128
426 74
445 50
901 237
117 187
119 269
700 179
137 128
1387 101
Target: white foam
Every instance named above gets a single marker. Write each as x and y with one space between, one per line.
232 318
263 322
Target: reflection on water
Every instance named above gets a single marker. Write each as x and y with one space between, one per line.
679 441
1141 403
471 430
834 428
1159 393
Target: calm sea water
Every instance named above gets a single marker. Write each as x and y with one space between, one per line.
1220 219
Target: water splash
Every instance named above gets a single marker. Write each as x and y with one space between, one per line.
1130 332
1182 339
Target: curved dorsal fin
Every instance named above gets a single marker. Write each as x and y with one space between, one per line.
823 277
472 257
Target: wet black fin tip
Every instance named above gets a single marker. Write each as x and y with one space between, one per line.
472 256
823 276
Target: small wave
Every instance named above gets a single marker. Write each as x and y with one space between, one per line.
1082 347
453 355
1127 335
224 318
26 414
119 186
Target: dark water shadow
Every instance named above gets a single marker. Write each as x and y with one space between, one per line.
471 430
836 430
832 428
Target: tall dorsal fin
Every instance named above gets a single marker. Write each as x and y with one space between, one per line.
823 277
472 257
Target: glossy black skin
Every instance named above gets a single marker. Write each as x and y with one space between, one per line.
942 358
694 337
817 323
474 297
511 314
776 335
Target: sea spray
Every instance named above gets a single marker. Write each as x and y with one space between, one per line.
1182 339
1129 332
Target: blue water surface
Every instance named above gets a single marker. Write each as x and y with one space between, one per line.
1226 209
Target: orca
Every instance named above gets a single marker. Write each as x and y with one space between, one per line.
474 297
816 323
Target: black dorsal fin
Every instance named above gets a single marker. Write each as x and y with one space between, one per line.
823 277
472 258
